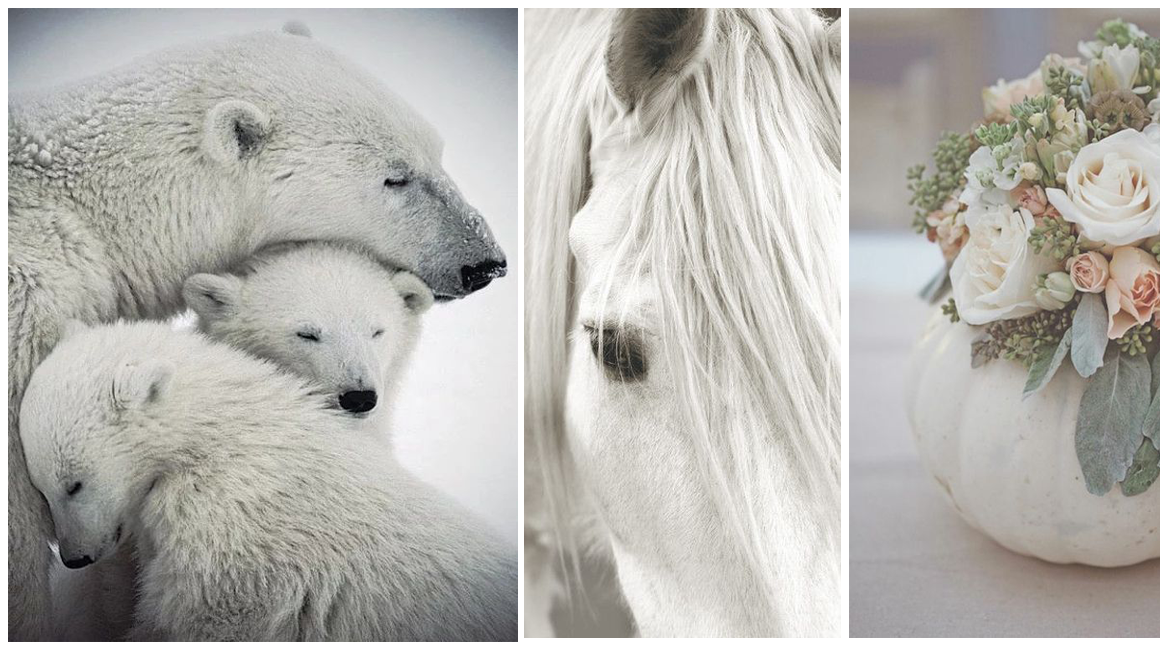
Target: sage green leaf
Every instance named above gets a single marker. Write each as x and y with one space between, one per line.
1155 374
1046 364
1143 472
1152 418
1090 338
1111 419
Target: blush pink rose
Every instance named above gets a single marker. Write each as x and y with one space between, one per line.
1089 272
1031 198
1133 290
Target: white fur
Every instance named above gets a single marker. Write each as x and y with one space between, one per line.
123 186
367 319
256 513
696 206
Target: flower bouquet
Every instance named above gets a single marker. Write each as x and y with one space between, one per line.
1048 216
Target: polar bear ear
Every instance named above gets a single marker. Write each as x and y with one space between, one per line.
234 130
141 384
416 294
212 297
649 49
296 28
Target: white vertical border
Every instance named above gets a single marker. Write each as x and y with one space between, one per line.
520 317
845 274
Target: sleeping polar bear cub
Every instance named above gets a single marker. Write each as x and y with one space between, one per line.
254 514
326 313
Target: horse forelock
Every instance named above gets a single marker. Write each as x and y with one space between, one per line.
737 165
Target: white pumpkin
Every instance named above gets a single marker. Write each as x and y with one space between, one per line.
1009 466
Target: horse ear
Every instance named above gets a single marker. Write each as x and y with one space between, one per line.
649 49
834 39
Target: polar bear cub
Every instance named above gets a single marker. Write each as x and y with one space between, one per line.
327 313
254 517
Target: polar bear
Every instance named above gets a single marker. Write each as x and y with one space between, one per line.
255 513
123 186
326 313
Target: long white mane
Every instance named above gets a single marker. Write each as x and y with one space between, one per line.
738 220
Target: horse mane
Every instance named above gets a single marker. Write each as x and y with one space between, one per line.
743 176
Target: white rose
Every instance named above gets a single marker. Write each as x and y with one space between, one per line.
1113 189
994 276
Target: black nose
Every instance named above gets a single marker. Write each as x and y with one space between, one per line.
480 275
73 564
358 400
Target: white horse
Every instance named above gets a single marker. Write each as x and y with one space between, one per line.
683 313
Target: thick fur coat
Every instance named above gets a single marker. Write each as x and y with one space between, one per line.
123 186
257 514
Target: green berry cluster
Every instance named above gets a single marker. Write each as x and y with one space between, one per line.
1055 237
951 156
1024 339
1136 340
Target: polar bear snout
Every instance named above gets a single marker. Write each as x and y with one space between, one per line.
480 275
358 401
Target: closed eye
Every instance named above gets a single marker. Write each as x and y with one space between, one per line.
74 488
396 181
377 333
620 352
312 336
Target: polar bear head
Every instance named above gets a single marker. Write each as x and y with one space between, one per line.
78 420
328 314
321 151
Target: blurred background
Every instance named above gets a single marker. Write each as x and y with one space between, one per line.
915 567
456 422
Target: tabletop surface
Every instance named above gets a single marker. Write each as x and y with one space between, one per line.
916 569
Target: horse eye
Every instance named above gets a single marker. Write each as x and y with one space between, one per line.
308 335
621 354
377 333
73 488
399 181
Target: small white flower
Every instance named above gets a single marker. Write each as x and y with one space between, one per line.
1115 69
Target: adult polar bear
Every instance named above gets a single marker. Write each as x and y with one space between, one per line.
123 186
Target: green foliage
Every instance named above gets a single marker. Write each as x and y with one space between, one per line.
1067 85
1110 426
1034 114
1089 329
1024 339
1144 470
1055 237
1118 32
1135 341
1046 364
1115 32
951 310
951 155
994 135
